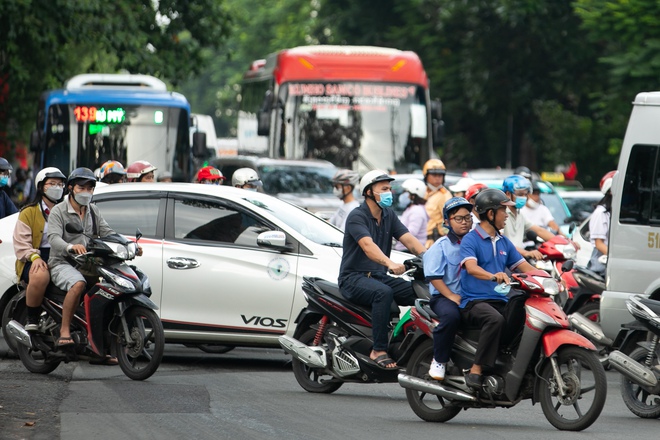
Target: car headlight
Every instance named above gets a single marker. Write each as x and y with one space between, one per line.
568 250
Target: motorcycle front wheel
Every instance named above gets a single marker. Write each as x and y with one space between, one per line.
428 407
34 360
586 389
639 401
140 351
313 379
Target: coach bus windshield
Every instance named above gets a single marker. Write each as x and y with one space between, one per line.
379 125
89 135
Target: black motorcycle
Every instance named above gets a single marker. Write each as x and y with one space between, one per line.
115 316
640 381
332 340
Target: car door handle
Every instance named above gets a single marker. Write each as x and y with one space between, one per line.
182 263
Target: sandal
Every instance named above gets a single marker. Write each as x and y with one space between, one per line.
107 360
384 360
64 342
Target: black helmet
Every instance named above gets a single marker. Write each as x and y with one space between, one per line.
5 165
523 171
491 198
81 175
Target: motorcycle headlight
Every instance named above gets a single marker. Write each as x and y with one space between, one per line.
544 265
120 281
568 250
550 286
126 252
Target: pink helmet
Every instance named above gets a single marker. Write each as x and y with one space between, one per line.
138 169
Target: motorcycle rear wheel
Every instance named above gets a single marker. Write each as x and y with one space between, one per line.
34 360
639 401
591 310
312 379
585 378
426 406
140 358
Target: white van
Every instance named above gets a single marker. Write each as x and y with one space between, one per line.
633 265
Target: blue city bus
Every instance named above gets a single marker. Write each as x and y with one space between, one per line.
100 117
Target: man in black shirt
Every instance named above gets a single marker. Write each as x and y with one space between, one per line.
363 275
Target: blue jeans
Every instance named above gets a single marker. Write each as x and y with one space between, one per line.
443 334
378 291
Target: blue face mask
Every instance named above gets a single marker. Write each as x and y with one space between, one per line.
4 180
520 202
385 199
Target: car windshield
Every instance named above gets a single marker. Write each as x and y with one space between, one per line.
296 179
301 220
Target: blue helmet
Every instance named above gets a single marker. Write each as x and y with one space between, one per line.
515 183
453 204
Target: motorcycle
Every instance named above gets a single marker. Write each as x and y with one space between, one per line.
115 315
542 361
332 340
640 371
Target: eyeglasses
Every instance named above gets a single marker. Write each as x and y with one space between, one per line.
462 219
56 184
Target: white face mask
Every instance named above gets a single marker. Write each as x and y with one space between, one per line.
433 188
54 193
83 198
532 204
338 192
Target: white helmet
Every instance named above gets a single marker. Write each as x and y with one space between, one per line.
462 185
346 177
47 173
372 177
244 176
415 186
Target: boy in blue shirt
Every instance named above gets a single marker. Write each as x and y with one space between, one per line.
442 268
485 255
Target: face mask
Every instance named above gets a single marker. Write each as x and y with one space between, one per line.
433 188
251 189
54 193
83 198
533 204
520 202
338 192
4 180
385 199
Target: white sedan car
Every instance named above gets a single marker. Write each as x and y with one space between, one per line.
217 275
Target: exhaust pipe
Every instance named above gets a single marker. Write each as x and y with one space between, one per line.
16 331
425 386
632 369
589 329
313 356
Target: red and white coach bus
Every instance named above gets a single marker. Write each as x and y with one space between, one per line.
356 106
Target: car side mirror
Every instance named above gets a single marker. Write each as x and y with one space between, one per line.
274 240
35 141
199 144
263 115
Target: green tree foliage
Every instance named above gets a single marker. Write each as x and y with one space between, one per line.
42 43
258 29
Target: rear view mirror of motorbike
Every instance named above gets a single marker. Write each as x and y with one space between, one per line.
73 228
567 266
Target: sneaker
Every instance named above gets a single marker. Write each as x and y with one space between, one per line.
473 380
437 370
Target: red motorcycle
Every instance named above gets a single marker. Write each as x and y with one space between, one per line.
542 360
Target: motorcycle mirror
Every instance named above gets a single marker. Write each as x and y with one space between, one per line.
73 229
138 234
567 266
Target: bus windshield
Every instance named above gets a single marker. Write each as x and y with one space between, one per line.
88 135
376 125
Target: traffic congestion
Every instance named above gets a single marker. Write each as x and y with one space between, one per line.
353 252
